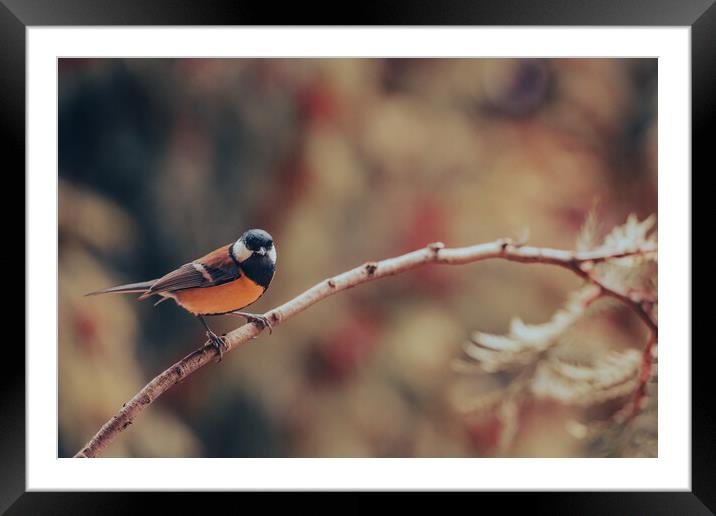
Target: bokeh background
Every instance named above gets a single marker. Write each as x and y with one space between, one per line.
342 161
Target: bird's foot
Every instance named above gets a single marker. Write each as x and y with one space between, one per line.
260 320
218 342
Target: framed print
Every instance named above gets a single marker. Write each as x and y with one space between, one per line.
421 253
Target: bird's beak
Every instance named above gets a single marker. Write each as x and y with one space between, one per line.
262 251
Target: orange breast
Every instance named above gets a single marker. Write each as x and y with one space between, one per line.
220 299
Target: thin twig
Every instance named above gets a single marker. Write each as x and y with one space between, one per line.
647 363
630 299
432 254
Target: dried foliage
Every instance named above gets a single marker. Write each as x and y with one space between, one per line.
576 358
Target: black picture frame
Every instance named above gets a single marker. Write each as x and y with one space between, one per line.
17 15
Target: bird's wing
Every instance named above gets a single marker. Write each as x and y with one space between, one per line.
213 269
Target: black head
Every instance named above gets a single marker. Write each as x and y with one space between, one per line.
257 239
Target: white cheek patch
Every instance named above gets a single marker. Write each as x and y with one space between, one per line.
241 252
272 254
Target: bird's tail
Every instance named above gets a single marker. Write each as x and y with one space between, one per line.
141 287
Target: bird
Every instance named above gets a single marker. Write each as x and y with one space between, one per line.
223 281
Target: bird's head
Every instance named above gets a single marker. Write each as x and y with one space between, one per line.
255 242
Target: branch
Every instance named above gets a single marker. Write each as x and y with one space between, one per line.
633 300
647 362
434 253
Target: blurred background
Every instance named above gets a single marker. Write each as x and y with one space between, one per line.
342 161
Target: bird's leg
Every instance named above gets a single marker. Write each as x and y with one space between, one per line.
260 320
218 342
